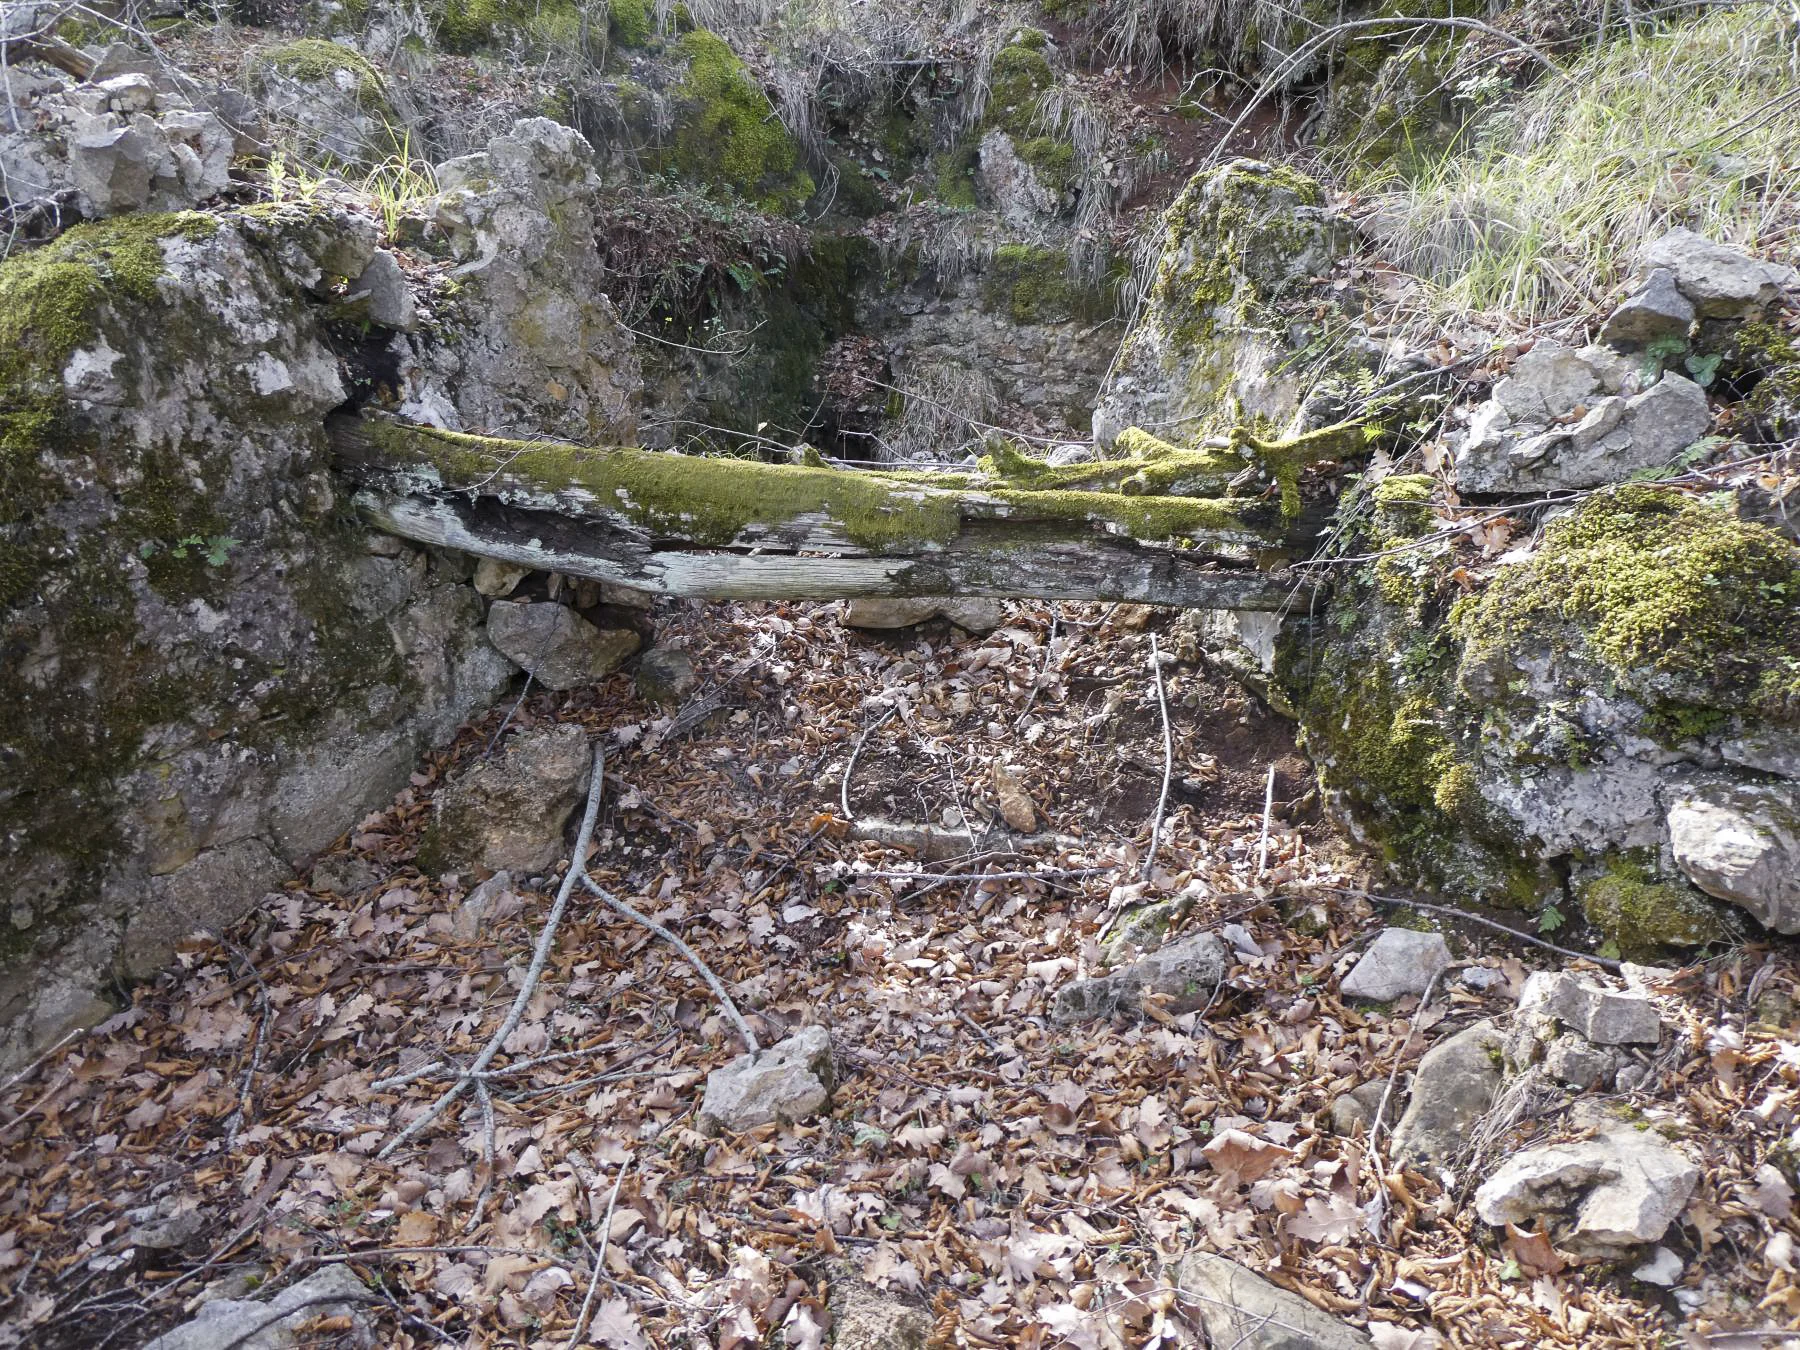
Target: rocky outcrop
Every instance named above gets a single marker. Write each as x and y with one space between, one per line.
1577 419
532 342
125 141
1211 344
206 670
1539 732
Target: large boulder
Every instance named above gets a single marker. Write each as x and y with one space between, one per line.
207 670
1243 242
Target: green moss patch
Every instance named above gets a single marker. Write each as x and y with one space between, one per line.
1647 917
313 59
1018 78
1033 284
1670 594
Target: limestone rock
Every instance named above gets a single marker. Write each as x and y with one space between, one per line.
481 906
1741 842
864 1318
1722 282
1016 807
383 294
1178 978
1355 1110
1656 310
977 614
1453 1087
1246 240
1603 1016
543 346
878 613
789 1082
243 1324
1523 440
1602 1195
1399 962
1018 192
1579 1063
497 579
345 874
561 649
1238 1308
665 676
1768 750
508 812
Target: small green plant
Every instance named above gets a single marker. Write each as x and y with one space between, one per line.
215 549
1550 919
399 182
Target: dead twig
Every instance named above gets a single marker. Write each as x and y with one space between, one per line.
850 768
736 1018
1162 800
587 1304
541 955
1262 848
1605 962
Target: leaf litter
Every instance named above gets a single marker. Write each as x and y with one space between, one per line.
1028 1184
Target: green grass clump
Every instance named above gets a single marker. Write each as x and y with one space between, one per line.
1541 203
1666 592
730 135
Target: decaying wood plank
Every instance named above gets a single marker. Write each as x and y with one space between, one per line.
738 529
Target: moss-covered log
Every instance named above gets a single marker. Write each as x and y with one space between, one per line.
733 528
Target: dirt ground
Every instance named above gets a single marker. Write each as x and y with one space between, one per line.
1023 1183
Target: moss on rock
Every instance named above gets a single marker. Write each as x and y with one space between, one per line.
1034 284
1647 916
312 59
1680 601
729 134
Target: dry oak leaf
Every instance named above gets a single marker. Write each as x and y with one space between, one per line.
615 1325
1241 1157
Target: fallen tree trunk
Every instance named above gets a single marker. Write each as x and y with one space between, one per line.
718 528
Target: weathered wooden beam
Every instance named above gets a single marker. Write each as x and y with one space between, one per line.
739 529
